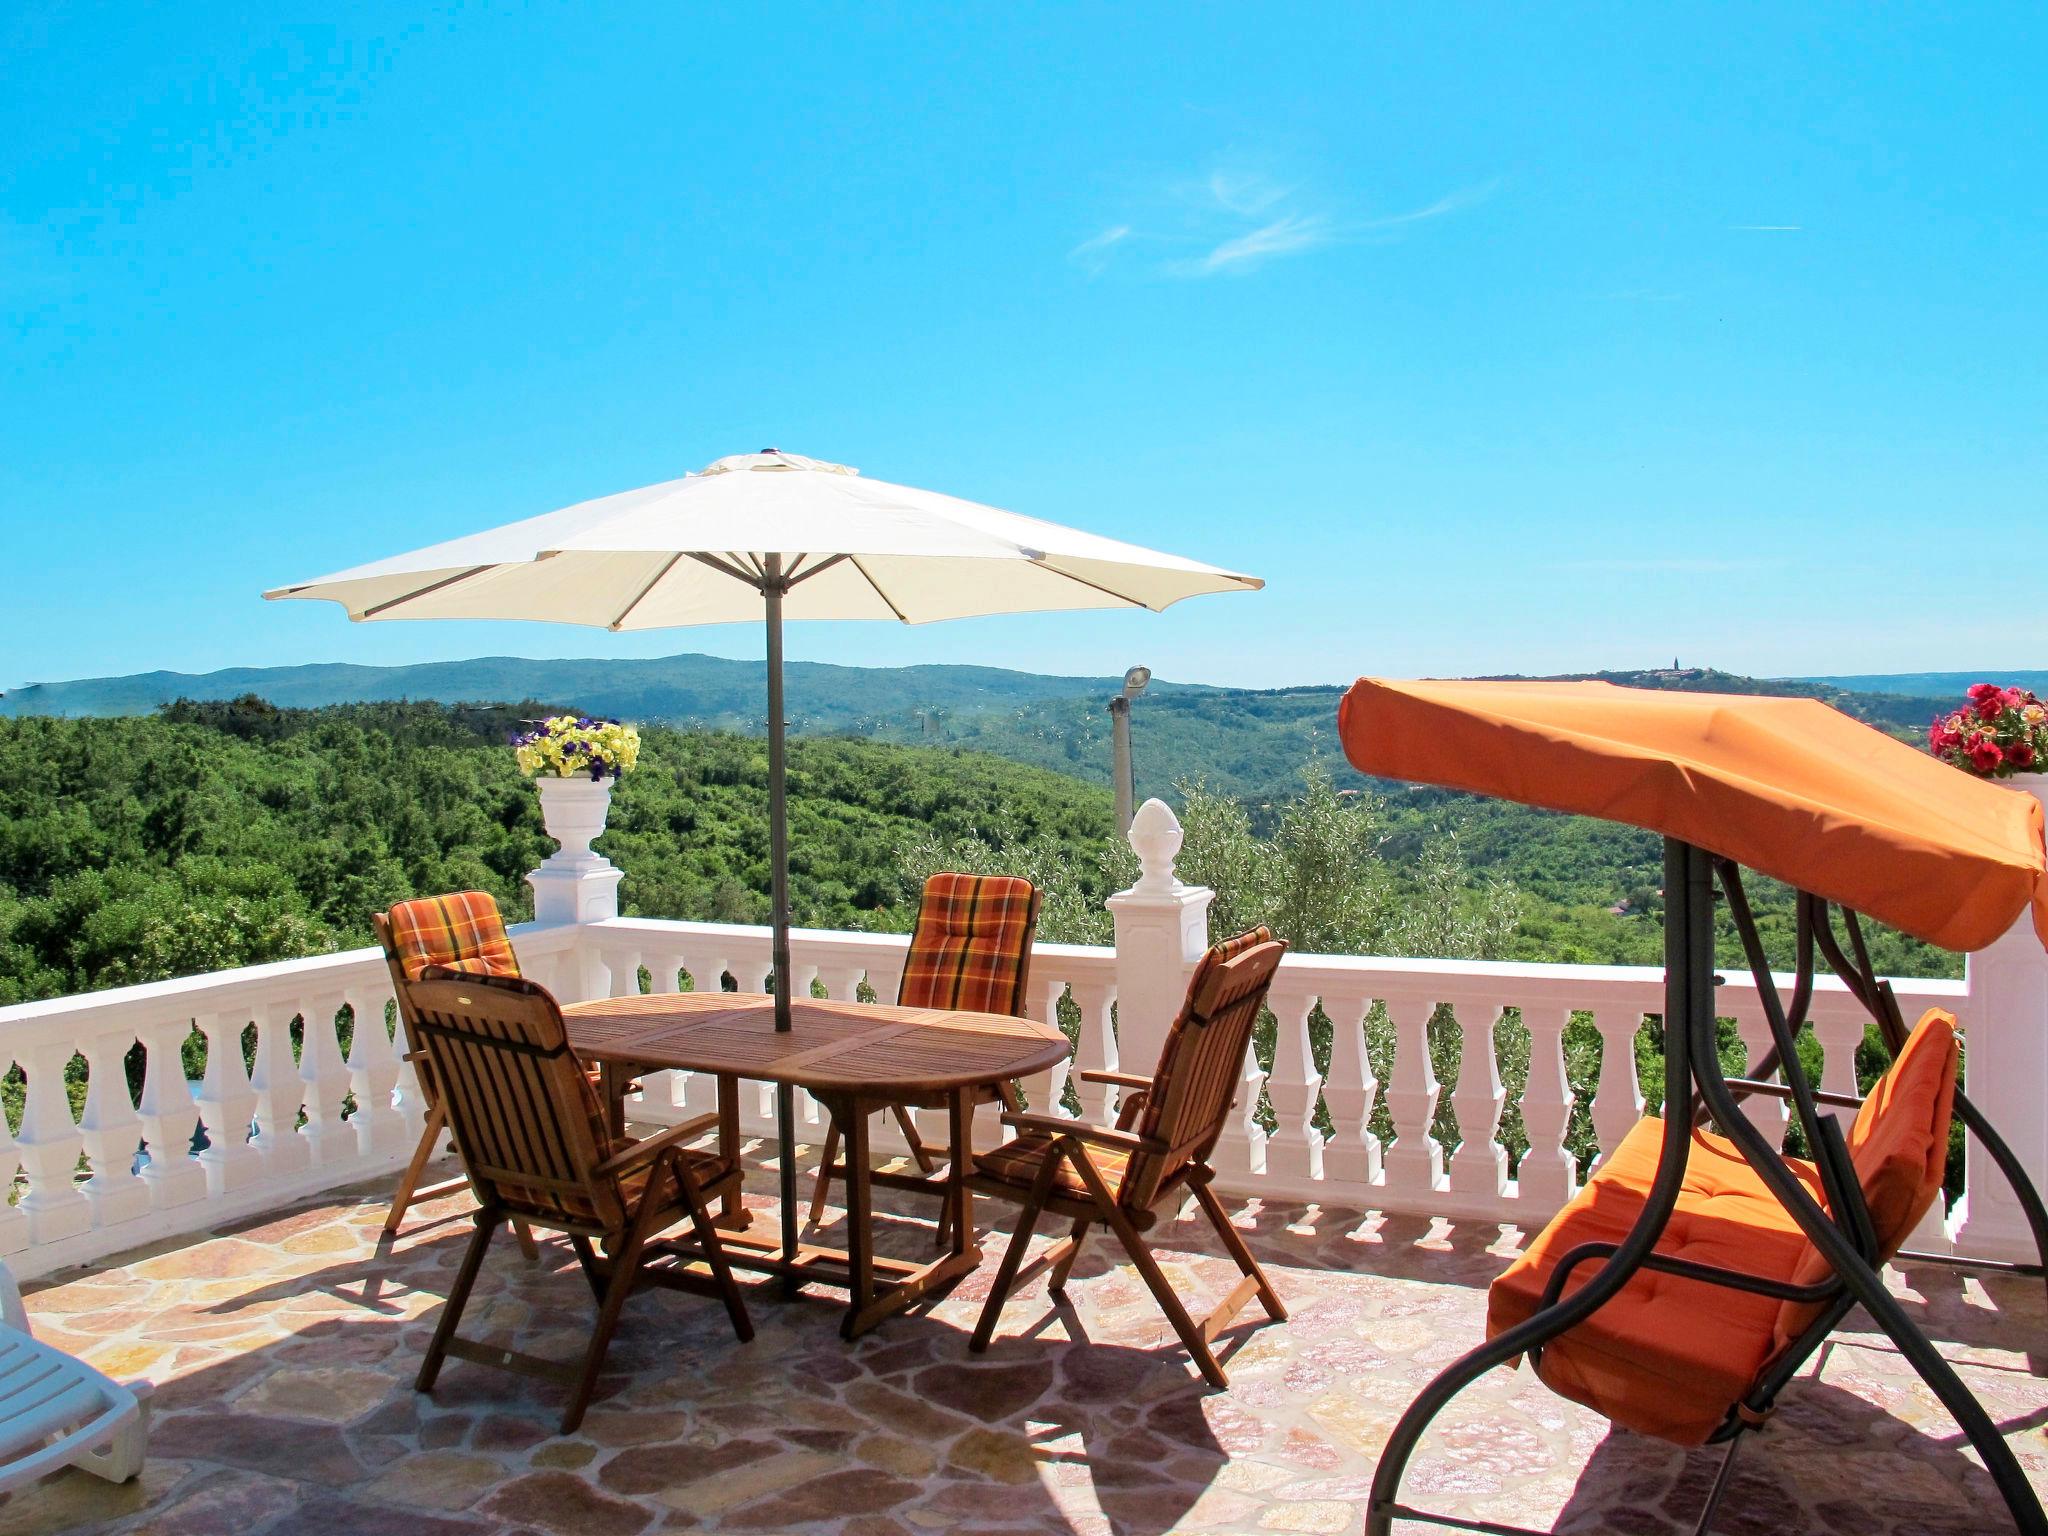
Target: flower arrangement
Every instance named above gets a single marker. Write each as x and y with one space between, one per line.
577 746
1998 733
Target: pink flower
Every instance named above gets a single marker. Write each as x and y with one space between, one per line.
1985 756
1978 692
1991 706
2020 755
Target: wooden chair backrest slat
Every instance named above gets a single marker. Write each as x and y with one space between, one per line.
519 1102
1201 1064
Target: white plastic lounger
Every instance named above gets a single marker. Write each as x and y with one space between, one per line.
57 1411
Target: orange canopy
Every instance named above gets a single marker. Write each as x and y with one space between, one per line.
1788 787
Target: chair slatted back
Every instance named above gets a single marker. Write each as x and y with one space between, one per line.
1201 1064
971 946
527 1122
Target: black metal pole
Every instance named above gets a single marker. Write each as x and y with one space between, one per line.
773 585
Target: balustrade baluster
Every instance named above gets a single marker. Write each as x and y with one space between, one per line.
1618 1101
1415 1162
50 1147
227 1106
1839 1035
1548 1175
1295 1148
324 1079
373 1075
168 1117
14 1228
1480 1165
1094 1051
1351 1155
110 1130
1767 1114
278 1094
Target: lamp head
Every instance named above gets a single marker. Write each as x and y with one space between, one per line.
1135 681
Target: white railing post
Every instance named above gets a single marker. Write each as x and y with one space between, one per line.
1618 1091
14 1225
373 1076
1415 1162
278 1094
1295 1149
1351 1157
50 1145
1548 1175
1095 1051
2005 1072
173 1175
575 885
324 1080
1162 927
1480 1165
227 1104
111 1130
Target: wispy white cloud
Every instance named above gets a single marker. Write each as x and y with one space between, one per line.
1236 219
1287 236
1094 253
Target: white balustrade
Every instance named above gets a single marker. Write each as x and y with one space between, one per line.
83 1196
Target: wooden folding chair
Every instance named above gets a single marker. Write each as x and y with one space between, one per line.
1127 1178
462 929
532 1134
969 949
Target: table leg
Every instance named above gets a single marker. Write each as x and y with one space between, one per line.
732 1211
612 1079
959 1193
860 1212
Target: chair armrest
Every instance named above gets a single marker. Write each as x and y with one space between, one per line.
650 1147
1081 1130
1121 1079
414 1056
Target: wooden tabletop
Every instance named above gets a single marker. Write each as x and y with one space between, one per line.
831 1047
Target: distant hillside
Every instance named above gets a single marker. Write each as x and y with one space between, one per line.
708 691
1944 686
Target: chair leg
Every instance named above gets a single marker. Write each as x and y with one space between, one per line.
926 1163
714 1255
1720 1487
625 1271
1065 1267
1013 1256
593 1272
487 1219
1155 1281
408 1181
824 1187
524 1234
1240 1251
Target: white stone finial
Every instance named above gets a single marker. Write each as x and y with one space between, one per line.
1155 837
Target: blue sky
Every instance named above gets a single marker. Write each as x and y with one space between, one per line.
1495 338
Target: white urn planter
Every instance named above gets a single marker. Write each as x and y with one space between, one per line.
575 884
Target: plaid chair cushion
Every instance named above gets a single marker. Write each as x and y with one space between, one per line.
971 948
461 930
1017 1162
1208 1060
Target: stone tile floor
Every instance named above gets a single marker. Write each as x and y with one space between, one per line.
284 1348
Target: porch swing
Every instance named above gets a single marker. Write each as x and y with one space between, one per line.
1682 1289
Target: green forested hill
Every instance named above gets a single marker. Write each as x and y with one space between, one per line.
218 835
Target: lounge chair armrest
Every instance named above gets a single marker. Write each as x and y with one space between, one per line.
1120 1079
650 1147
1081 1130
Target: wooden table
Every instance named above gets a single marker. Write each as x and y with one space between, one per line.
853 1058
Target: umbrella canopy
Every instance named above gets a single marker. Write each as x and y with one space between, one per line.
851 547
1789 787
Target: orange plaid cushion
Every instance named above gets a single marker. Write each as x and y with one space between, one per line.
462 930
971 948
1018 1160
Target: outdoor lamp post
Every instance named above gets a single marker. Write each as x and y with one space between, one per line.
1120 744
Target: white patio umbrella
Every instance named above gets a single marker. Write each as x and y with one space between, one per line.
768 535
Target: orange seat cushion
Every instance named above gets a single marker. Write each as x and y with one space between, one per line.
1669 1356
1666 1355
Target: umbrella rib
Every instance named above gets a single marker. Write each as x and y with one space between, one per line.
727 568
900 614
641 596
1122 597
431 587
826 564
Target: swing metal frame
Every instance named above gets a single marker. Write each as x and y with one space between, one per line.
1696 1091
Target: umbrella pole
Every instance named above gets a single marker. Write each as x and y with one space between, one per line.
773 586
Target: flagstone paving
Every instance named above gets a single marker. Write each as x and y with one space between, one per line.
283 1352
